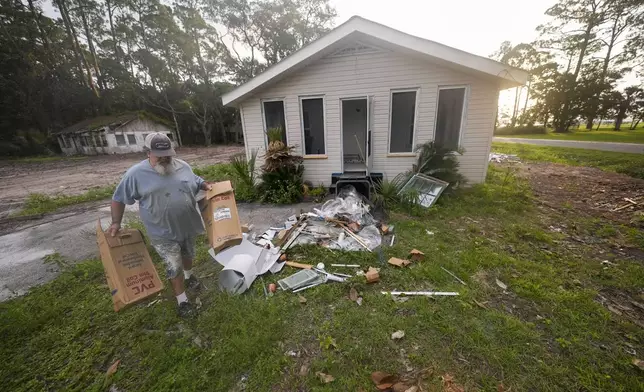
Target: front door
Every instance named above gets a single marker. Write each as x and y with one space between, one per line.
355 125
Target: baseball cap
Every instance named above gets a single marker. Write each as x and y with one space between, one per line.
159 145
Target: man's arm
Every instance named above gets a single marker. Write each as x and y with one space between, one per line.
117 216
125 193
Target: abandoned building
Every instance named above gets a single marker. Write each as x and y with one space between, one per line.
357 101
118 134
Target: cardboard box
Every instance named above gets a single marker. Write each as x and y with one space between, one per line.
129 270
221 218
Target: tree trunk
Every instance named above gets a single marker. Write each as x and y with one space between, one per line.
43 36
110 15
619 119
206 133
527 96
73 41
90 44
515 110
71 30
635 124
589 123
599 123
564 122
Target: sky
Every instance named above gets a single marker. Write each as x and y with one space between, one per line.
476 26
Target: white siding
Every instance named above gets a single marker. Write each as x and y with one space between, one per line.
376 75
138 128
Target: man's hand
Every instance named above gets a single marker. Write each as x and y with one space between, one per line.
114 229
205 186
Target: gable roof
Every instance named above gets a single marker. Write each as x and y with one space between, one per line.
507 76
113 121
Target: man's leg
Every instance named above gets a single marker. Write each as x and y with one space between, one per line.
188 250
170 252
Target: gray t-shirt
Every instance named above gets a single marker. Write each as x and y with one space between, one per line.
167 203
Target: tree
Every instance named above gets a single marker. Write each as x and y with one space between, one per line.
573 31
625 103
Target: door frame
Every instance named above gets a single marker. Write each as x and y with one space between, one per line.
366 141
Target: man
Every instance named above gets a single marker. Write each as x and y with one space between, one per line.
165 188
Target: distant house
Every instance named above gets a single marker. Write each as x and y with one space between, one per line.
118 134
358 100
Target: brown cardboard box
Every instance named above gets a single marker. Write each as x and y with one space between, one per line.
129 270
221 217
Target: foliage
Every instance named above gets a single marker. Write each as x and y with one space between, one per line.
629 164
38 203
583 51
283 185
64 335
275 134
439 162
282 174
606 134
521 130
170 58
317 193
245 174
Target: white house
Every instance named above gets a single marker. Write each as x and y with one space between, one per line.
119 134
359 99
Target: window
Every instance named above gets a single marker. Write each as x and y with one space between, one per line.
63 142
449 117
170 136
313 125
274 116
103 140
145 136
131 139
120 140
83 141
403 121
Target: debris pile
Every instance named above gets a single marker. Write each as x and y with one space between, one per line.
498 157
343 223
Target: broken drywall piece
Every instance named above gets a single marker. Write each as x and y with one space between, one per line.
501 284
398 335
416 255
399 262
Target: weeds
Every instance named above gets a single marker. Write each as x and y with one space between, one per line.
38 203
629 164
542 333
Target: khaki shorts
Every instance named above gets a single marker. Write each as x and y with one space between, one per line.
173 253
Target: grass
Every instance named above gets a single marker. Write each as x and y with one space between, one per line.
544 333
38 203
629 164
45 159
605 134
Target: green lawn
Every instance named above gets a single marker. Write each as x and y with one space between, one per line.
602 135
630 164
546 332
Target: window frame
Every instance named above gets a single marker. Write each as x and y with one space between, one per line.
466 99
261 103
117 140
300 99
415 131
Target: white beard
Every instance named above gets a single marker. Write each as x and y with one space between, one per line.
164 169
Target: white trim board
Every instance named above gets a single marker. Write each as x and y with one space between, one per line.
506 75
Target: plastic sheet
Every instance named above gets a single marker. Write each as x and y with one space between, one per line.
348 204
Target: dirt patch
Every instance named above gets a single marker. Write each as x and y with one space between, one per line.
585 190
75 176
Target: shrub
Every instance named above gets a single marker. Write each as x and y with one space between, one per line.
521 130
282 172
245 176
438 162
